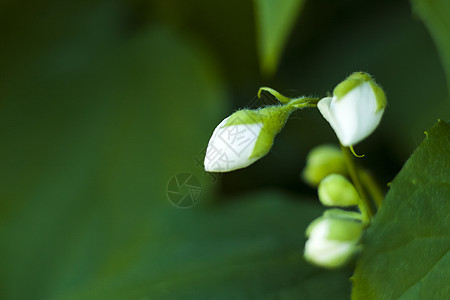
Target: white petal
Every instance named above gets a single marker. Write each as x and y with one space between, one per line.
369 117
355 115
345 113
324 107
321 230
328 253
231 146
325 252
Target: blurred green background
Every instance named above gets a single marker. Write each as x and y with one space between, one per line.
103 102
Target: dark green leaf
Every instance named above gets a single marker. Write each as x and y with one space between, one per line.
435 14
251 249
274 21
406 253
95 123
91 138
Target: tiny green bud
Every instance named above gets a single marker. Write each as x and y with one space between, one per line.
322 161
336 190
333 240
244 137
355 109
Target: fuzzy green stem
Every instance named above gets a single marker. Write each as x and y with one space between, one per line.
364 206
303 102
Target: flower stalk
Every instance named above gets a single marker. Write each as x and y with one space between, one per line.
364 206
372 187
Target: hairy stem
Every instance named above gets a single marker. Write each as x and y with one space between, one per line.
304 102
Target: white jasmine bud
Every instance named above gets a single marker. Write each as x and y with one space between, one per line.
244 137
355 109
322 161
336 190
333 240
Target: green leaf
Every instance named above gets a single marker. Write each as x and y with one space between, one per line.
435 14
274 21
406 253
95 123
250 249
91 137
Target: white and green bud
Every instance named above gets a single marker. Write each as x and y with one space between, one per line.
355 109
244 137
333 239
323 161
336 190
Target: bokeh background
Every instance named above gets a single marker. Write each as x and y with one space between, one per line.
103 102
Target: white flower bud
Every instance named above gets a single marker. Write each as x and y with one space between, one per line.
244 137
322 161
355 109
333 240
336 190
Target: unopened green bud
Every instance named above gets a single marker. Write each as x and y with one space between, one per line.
336 190
323 161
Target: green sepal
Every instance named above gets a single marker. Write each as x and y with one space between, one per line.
283 99
339 213
379 95
345 226
356 79
273 118
245 116
350 83
345 229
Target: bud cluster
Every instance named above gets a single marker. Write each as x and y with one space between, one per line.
353 112
332 238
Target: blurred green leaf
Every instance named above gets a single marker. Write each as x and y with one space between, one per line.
94 124
274 22
249 249
409 238
401 55
98 112
435 14
91 137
